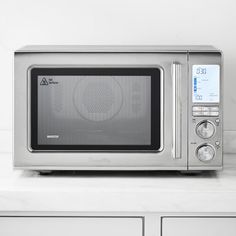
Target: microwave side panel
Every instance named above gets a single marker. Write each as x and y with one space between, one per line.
24 159
205 144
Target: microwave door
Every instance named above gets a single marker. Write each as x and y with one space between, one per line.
123 111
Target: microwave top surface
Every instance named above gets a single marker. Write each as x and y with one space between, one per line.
115 48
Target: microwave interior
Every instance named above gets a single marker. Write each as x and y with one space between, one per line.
95 109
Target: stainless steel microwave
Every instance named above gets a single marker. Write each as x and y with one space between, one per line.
118 108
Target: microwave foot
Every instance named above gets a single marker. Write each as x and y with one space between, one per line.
45 172
190 172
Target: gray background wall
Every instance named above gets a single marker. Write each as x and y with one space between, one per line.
118 22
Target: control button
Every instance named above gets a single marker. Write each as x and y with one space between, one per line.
197 113
195 108
205 153
205 129
206 108
217 143
206 113
214 109
214 113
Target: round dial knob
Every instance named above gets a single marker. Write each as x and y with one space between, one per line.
205 129
205 153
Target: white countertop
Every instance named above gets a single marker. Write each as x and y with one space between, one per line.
158 192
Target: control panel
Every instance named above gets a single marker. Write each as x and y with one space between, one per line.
205 115
206 135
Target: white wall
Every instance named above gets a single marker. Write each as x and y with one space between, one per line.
117 22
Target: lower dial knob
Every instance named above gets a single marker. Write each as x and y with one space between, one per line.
205 152
205 129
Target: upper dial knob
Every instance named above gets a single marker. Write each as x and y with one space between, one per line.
205 129
205 153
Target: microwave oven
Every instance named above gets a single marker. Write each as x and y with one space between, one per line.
118 108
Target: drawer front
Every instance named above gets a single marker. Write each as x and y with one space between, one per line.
198 226
71 226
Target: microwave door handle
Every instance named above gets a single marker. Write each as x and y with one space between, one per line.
176 73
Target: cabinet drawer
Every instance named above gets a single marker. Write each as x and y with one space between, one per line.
71 226
198 226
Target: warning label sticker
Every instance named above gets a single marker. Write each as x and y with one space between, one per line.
44 81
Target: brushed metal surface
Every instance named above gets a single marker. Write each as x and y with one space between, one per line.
116 48
162 57
194 140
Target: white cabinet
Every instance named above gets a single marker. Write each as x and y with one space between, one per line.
71 226
198 226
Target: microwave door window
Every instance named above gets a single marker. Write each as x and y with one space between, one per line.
94 112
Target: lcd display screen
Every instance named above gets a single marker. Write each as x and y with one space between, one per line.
206 83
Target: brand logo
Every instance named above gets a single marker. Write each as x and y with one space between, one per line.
44 81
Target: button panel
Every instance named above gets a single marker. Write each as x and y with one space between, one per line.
205 111
205 143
